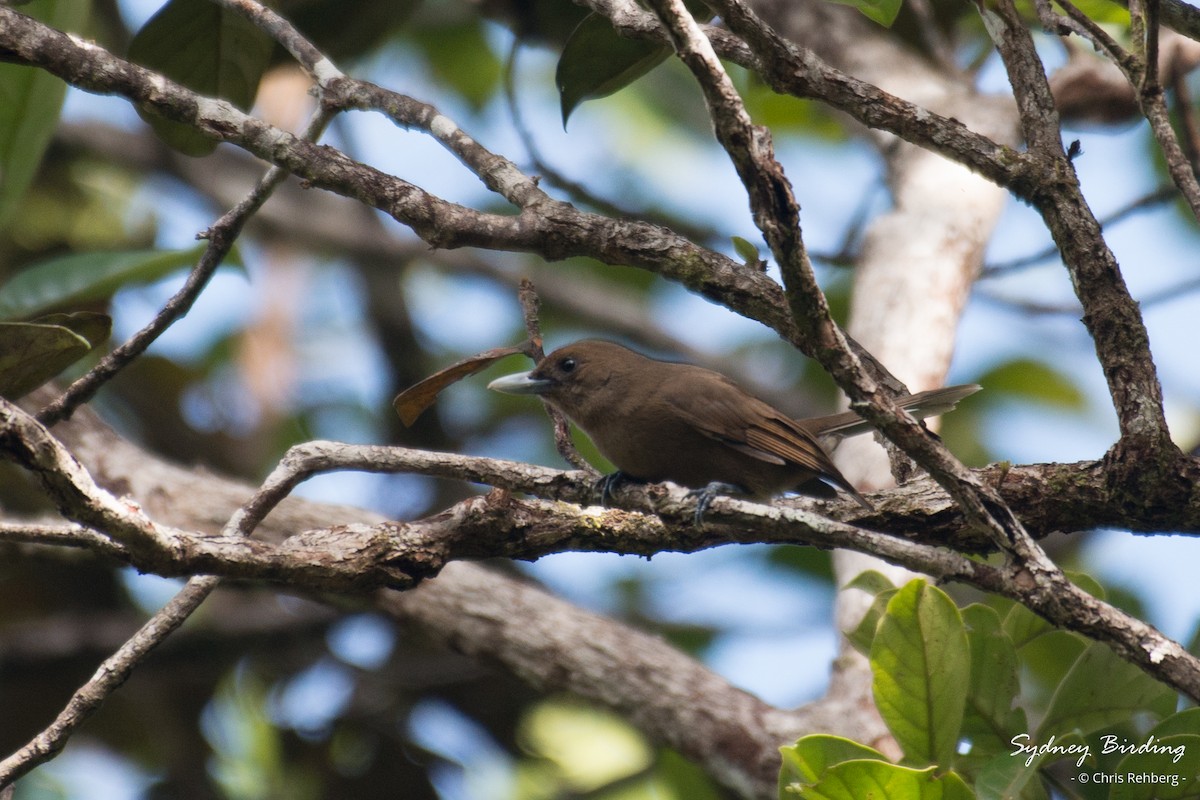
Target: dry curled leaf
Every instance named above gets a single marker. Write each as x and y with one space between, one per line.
413 401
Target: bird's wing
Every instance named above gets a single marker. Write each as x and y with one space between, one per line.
718 408
783 438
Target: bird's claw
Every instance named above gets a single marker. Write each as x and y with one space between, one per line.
705 496
607 484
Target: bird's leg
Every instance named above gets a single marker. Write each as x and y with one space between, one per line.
705 496
609 483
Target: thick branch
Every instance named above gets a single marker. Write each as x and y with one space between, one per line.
202 501
398 555
356 558
658 689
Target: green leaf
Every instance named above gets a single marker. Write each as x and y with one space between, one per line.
921 664
747 252
679 777
81 278
993 664
1023 626
596 62
1087 583
1045 661
781 112
1033 380
208 49
872 582
31 354
460 57
1105 12
807 761
879 780
990 720
30 100
1171 762
882 11
92 326
1186 721
1099 690
1181 766
864 633
1007 777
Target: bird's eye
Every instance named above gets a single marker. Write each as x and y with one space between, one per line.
567 364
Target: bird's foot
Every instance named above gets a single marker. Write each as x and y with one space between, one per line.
705 496
609 483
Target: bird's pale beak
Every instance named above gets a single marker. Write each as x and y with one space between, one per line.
521 383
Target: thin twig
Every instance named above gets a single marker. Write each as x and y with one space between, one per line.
314 62
62 535
113 672
221 237
117 668
1138 34
1083 25
1144 30
578 191
530 306
1074 309
1110 313
1179 16
1150 10
1141 70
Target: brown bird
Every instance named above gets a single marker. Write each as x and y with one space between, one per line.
662 421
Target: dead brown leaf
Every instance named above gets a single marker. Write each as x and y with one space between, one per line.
413 401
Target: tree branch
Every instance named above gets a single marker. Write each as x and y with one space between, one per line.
358 558
221 238
113 672
1110 314
553 229
797 71
739 742
744 757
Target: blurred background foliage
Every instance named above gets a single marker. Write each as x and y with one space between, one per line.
330 309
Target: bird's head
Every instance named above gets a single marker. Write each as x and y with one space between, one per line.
574 376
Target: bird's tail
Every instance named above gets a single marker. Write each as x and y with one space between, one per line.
920 405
